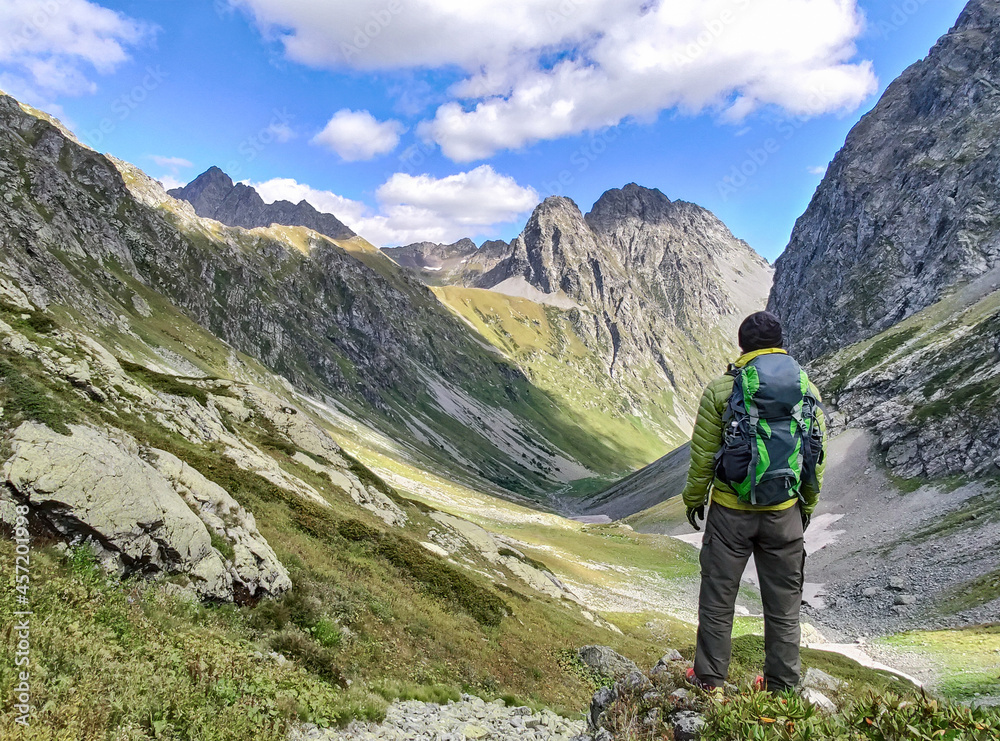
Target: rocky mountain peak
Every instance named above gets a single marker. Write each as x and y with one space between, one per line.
632 201
207 191
214 195
907 207
555 252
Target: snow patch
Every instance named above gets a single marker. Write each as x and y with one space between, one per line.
518 287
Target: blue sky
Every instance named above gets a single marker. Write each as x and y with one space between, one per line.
433 119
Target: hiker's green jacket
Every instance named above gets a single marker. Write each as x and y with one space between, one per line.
707 439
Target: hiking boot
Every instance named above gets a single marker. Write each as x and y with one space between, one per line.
692 679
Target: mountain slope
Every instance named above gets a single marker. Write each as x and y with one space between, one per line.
650 486
889 282
214 196
334 317
909 206
890 290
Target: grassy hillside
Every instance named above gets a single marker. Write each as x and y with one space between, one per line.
641 422
373 614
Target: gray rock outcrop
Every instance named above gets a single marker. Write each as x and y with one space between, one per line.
907 207
460 263
654 289
94 486
651 273
254 566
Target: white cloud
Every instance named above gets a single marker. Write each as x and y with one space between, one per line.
539 69
51 48
417 208
169 182
281 132
358 135
287 189
819 170
172 163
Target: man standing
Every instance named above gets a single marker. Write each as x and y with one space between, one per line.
757 452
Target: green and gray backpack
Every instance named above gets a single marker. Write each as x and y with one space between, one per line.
771 439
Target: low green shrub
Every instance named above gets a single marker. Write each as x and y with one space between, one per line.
223 546
21 394
435 575
163 382
38 321
294 644
874 717
122 659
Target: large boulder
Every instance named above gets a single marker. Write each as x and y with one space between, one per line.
254 566
95 486
606 661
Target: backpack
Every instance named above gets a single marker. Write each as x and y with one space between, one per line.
771 438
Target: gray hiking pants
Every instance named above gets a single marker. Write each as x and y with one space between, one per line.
775 540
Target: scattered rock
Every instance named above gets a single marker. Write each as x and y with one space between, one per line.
141 306
634 681
904 599
474 731
687 725
652 718
665 661
818 679
897 584
470 718
607 661
600 702
365 495
871 592
819 700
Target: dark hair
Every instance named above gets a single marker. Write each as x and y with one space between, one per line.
760 331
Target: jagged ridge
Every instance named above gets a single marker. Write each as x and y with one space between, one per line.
214 196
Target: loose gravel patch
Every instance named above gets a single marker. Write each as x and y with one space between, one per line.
471 718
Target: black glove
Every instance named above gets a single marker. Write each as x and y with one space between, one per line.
805 520
694 514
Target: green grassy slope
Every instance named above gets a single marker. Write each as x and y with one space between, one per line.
369 604
541 340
